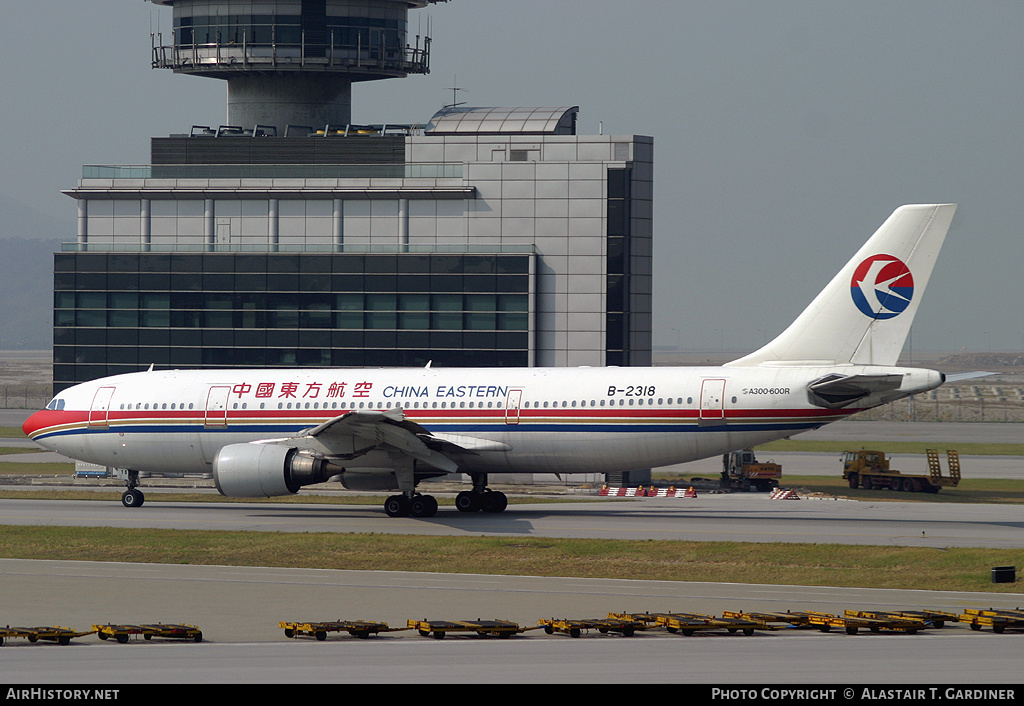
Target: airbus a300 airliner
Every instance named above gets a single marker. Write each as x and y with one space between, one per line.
269 432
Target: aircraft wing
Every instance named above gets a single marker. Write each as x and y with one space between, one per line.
836 391
357 432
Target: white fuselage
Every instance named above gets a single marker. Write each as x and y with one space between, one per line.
522 420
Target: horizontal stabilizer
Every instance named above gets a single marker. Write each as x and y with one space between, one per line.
836 391
956 377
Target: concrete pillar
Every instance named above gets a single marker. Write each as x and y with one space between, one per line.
274 225
145 225
209 225
315 100
83 224
403 224
339 224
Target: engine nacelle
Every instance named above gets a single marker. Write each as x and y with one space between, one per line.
370 479
266 470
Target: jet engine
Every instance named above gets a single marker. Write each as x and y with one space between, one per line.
267 470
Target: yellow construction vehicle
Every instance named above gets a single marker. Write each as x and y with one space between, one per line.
870 469
742 471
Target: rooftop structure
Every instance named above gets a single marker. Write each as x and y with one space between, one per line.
292 62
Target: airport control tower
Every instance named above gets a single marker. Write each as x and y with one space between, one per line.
292 62
473 236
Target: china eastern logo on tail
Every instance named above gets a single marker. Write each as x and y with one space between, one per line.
882 286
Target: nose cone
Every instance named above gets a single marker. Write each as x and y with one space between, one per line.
37 422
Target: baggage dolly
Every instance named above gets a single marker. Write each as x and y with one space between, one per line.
995 618
771 621
690 623
121 633
626 626
852 622
439 628
930 618
60 635
319 630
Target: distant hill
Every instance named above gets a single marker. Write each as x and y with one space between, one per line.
996 362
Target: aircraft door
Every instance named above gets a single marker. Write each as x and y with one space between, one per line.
217 406
100 407
712 401
512 404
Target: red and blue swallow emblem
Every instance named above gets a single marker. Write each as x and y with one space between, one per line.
882 286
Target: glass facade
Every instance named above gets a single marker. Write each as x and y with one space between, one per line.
373 33
618 290
209 34
120 312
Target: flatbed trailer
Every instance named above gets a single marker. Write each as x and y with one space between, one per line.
996 619
575 627
319 630
439 628
58 634
771 621
690 623
171 631
852 623
931 618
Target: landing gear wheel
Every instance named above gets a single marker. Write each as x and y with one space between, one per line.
493 501
396 506
467 501
133 498
423 506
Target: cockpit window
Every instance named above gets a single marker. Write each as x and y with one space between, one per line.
56 403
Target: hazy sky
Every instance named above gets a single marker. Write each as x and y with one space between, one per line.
785 131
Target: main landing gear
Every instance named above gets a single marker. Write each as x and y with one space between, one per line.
417 506
481 498
133 497
486 501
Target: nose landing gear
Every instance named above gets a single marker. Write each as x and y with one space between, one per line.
133 497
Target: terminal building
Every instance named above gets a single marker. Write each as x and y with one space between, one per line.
483 236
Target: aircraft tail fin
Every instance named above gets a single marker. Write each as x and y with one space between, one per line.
864 314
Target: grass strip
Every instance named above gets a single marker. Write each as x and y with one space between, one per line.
11 433
908 568
55 468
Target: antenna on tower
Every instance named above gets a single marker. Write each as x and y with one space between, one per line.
455 89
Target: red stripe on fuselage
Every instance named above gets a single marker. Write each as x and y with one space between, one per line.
45 419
